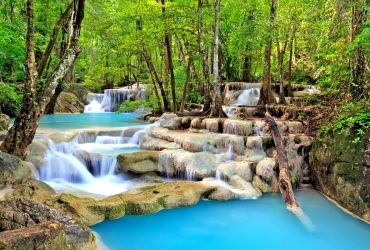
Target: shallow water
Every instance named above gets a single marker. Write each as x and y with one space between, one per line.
262 223
88 120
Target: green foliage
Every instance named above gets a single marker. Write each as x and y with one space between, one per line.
293 179
130 106
10 99
354 115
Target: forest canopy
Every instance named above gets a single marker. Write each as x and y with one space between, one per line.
318 42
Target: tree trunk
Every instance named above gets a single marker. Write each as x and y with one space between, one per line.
170 66
217 110
281 54
290 92
205 67
186 84
266 96
37 93
285 185
149 62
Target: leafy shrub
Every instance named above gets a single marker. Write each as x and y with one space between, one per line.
130 106
10 99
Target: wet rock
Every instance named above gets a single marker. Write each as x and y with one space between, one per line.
148 142
221 194
246 186
265 168
242 169
138 162
171 121
47 235
266 186
22 212
37 153
238 127
339 170
81 92
33 189
13 170
196 123
294 127
151 177
212 125
68 103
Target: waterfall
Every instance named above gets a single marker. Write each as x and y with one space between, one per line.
218 175
230 152
87 163
112 99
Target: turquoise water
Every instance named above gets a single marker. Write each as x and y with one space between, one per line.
263 223
86 120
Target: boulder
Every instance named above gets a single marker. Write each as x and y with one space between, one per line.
171 121
242 169
48 235
13 170
247 189
33 189
4 122
23 212
148 142
187 165
68 103
37 152
79 91
265 168
138 162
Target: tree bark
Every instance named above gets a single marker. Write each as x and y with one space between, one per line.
36 94
285 185
149 62
205 66
266 96
217 110
186 84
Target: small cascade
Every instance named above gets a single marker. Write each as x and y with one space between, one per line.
190 174
103 165
230 152
62 165
112 99
104 139
248 97
218 175
88 163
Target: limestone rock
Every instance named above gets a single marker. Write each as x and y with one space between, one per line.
171 121
4 122
22 212
196 123
339 170
238 127
247 188
37 153
265 168
138 162
68 103
13 170
47 235
79 91
221 194
242 169
33 189
148 142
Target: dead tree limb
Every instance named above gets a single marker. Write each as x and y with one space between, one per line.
285 185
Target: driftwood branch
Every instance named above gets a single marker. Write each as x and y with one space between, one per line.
285 185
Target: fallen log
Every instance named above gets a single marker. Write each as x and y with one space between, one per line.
285 185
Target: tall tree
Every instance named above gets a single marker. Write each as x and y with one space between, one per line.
266 95
37 92
217 110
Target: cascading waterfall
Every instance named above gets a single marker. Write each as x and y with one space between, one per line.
230 152
87 163
112 99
